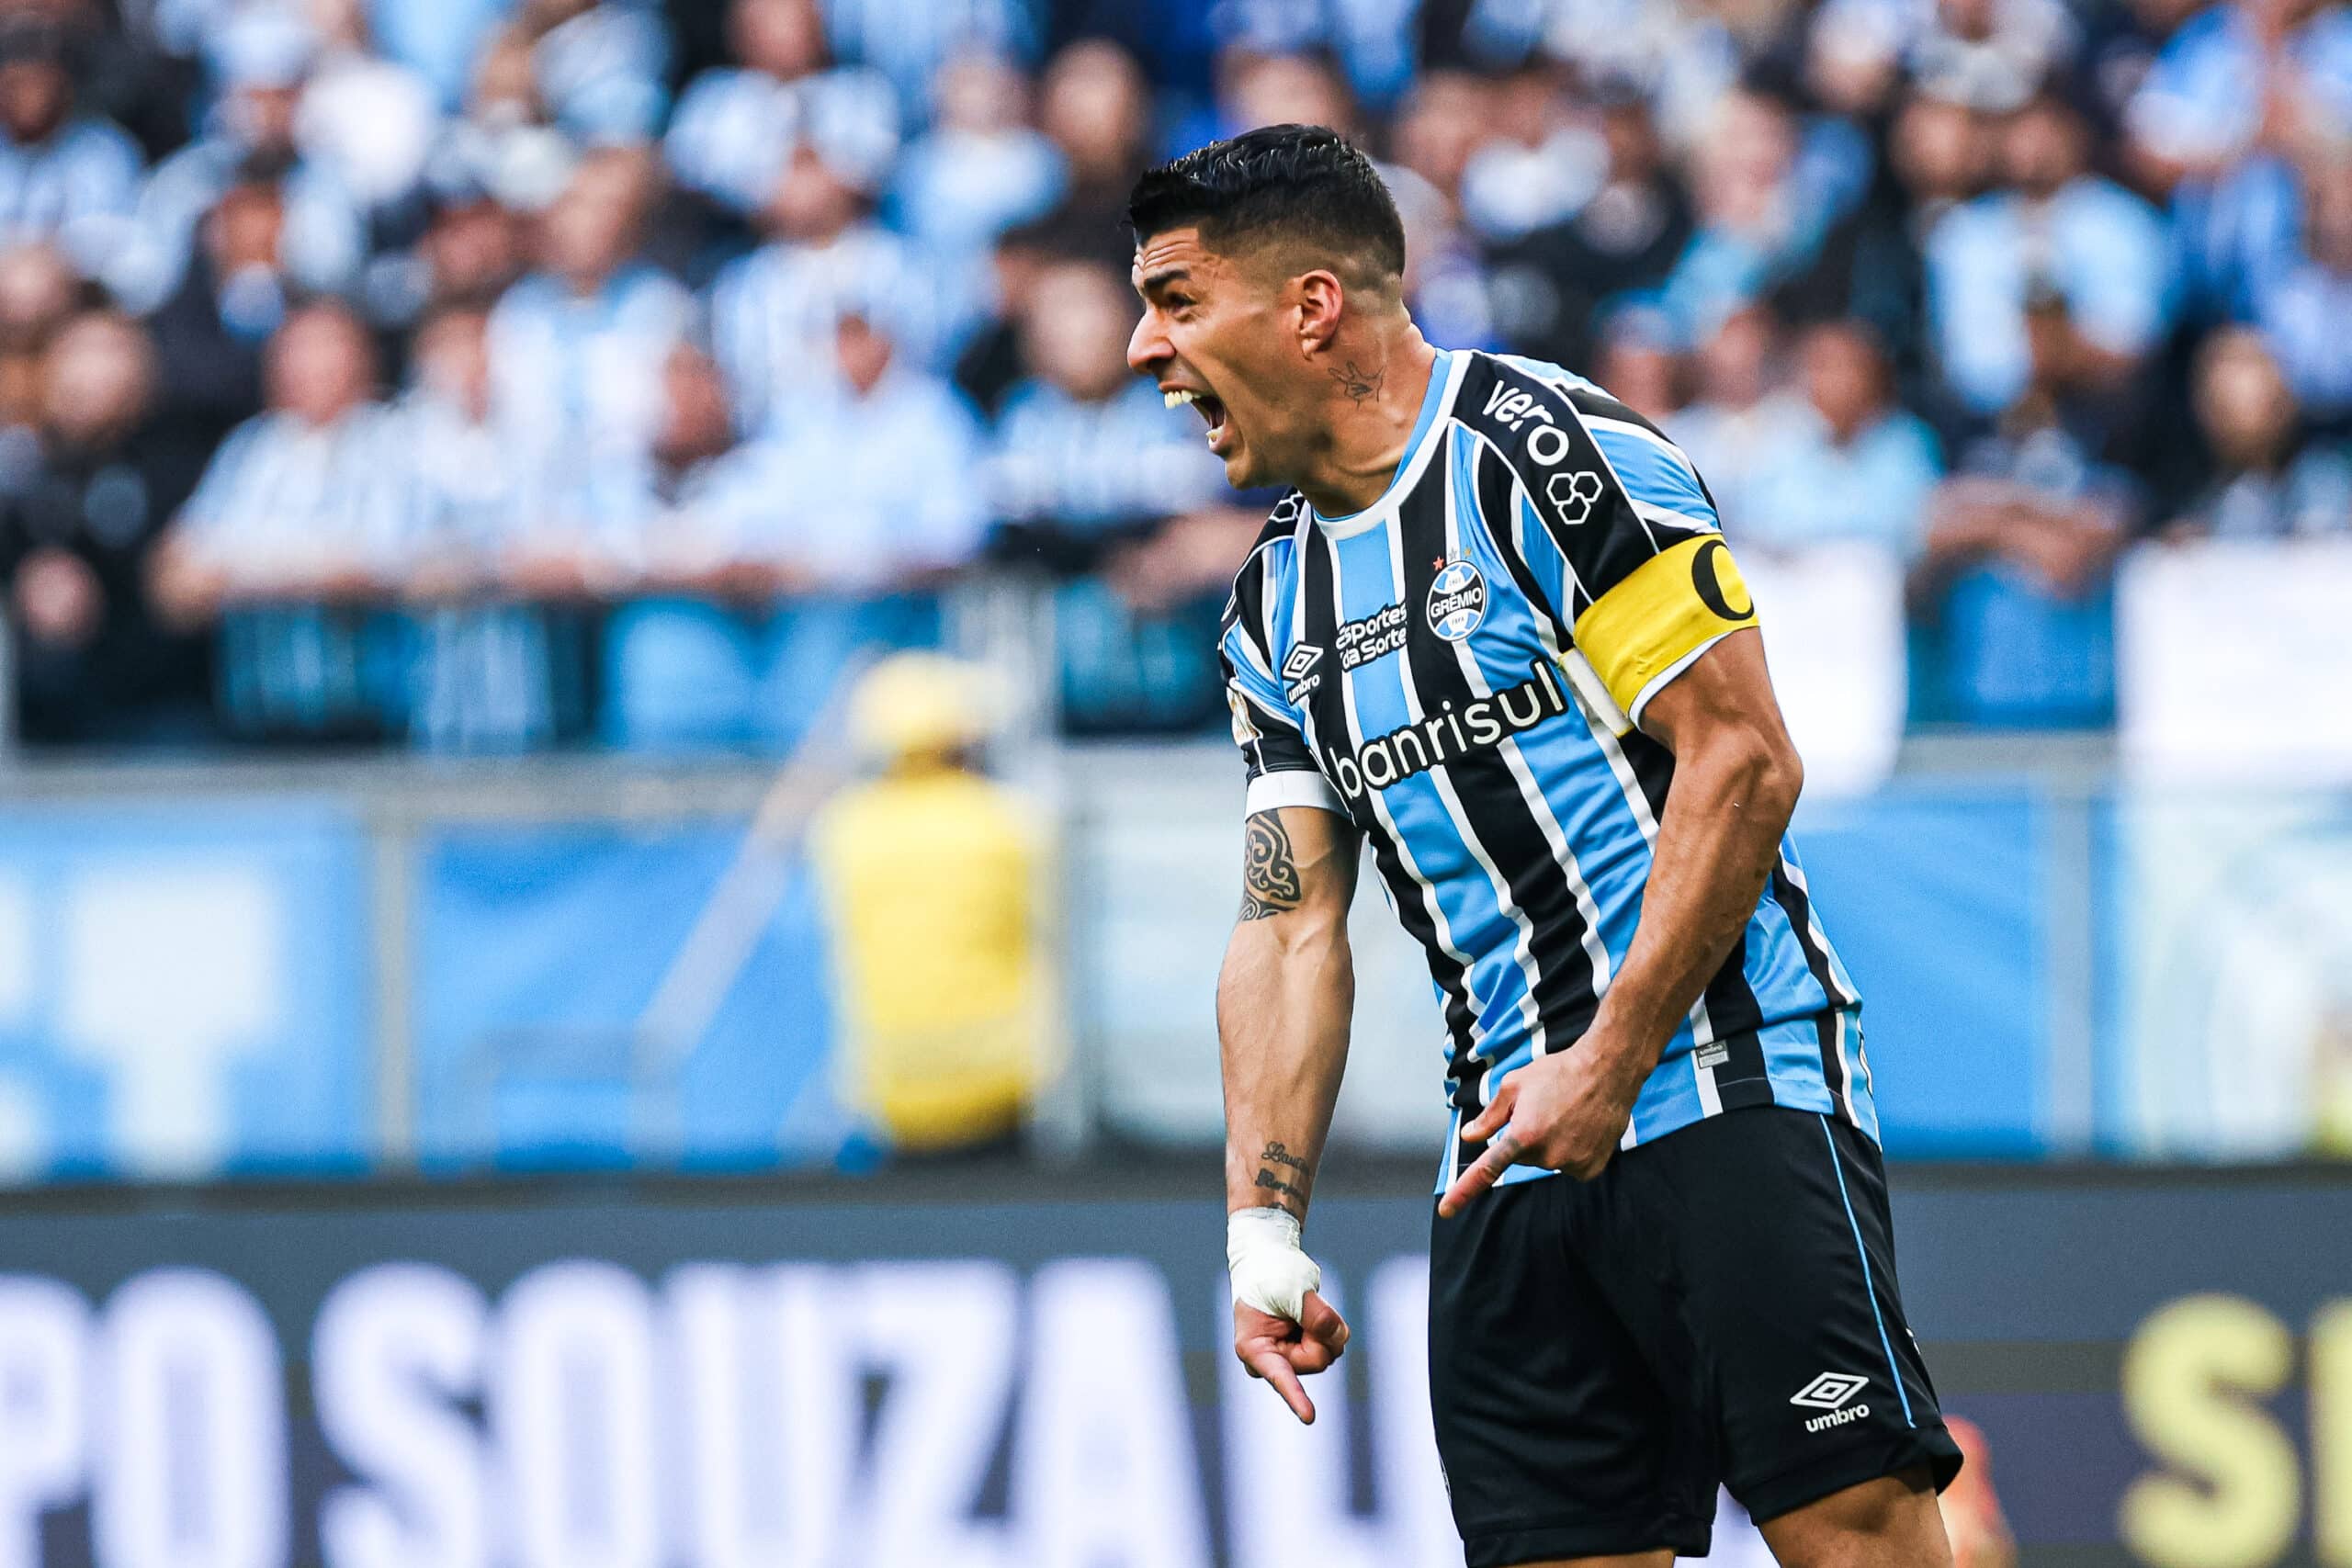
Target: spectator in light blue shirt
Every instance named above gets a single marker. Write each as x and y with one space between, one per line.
772 312
2233 232
2058 230
261 60
463 461
981 169
305 516
877 477
480 676
908 40
439 39
2303 302
65 176
2269 480
308 498
1763 204
1854 467
1736 422
860 500
1085 450
576 348
2206 99
519 546
738 125
599 66
2013 580
1094 477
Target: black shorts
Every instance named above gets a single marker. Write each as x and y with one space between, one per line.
1717 1306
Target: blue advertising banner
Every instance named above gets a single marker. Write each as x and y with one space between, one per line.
1936 898
187 989
183 991
587 995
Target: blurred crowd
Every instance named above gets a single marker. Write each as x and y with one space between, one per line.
493 373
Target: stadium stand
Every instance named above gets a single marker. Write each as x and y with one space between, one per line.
1999 290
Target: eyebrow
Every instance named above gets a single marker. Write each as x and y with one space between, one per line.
1164 276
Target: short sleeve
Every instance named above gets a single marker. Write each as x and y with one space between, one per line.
1267 725
1619 535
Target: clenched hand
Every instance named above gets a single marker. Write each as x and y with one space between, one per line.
1280 1351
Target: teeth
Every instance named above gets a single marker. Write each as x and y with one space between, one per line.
1180 397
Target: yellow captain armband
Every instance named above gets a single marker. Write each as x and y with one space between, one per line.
1661 615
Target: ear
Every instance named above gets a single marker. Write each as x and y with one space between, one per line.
1320 302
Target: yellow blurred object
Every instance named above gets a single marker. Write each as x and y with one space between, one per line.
933 875
2332 1082
914 704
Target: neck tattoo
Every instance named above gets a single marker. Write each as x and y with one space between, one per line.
1358 384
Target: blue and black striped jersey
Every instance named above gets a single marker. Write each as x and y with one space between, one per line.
1459 670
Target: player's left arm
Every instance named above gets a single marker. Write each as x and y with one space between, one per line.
1735 783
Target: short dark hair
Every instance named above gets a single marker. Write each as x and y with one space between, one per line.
1303 181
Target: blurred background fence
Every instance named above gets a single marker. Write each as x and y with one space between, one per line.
304 968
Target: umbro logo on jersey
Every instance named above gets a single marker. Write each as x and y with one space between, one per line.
1830 1391
1300 671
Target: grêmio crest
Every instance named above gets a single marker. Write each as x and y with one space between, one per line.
1457 600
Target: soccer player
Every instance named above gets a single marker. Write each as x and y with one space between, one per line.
1494 630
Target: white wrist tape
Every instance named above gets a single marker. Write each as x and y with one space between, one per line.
1270 1271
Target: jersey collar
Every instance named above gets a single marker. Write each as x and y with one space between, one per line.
1445 379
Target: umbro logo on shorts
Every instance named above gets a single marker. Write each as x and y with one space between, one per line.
1830 1391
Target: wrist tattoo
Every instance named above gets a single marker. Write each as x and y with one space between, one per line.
1268 1182
1279 1154
1270 884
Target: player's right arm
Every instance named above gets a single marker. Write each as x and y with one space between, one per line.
1284 999
1287 990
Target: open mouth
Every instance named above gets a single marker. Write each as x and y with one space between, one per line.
1210 410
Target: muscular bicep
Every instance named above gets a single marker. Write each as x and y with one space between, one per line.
1723 696
1297 859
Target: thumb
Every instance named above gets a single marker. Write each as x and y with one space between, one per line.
1495 1117
1318 1319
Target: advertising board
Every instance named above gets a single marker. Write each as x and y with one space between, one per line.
993 1369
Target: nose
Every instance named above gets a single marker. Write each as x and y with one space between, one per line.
1148 345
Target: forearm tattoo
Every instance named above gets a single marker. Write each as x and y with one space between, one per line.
1268 1182
1270 883
1275 1182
